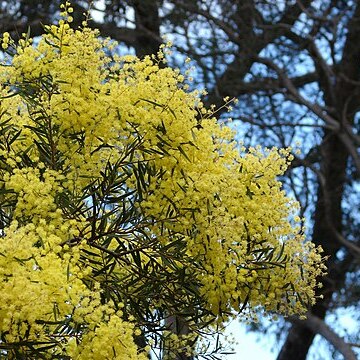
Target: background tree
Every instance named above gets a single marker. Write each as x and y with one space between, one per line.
294 67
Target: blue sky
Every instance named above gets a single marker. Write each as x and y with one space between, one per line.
247 345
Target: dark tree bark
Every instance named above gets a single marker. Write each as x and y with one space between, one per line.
147 22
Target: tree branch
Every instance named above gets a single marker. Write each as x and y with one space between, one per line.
318 326
315 108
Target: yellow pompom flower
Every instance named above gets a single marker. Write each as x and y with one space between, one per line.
123 200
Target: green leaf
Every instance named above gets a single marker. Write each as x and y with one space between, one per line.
183 153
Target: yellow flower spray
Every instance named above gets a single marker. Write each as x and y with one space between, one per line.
123 199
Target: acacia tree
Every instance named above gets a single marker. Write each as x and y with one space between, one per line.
123 201
294 67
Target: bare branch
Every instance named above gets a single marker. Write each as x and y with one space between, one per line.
318 326
351 148
315 108
270 84
228 30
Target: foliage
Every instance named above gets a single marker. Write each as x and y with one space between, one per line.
123 201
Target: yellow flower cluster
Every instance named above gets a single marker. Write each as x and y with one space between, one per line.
41 293
112 339
70 110
5 40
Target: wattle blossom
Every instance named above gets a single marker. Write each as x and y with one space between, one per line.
124 200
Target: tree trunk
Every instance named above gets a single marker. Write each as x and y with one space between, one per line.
147 22
178 326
